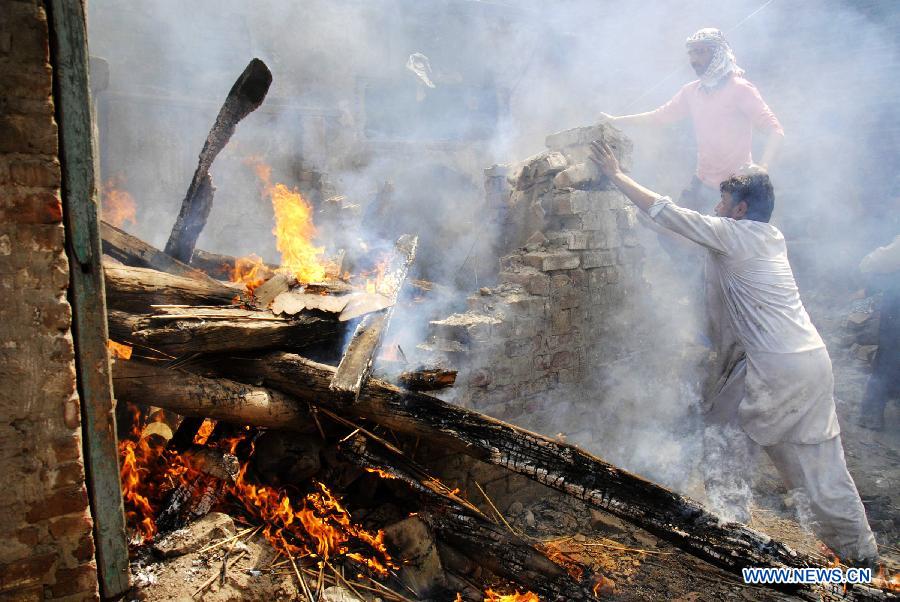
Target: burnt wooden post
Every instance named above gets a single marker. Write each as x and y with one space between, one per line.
80 206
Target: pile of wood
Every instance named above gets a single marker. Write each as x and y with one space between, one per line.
206 349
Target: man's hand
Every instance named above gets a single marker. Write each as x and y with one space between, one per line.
604 158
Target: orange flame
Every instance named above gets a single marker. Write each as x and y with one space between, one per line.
381 473
294 228
251 271
145 472
118 351
887 582
116 204
317 524
320 520
558 556
492 596
205 430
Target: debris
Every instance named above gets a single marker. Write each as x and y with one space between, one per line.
195 535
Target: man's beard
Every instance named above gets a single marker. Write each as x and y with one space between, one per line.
699 69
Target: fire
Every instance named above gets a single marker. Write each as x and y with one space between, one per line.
294 229
557 555
251 271
315 524
146 471
492 596
887 582
318 522
118 351
117 205
205 430
381 473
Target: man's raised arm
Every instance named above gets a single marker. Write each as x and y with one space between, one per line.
605 159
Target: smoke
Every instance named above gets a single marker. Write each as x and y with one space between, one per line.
345 115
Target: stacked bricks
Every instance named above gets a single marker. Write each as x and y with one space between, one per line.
561 308
45 523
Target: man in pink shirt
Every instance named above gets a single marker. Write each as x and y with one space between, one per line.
724 108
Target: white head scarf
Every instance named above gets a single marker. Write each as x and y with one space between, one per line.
723 62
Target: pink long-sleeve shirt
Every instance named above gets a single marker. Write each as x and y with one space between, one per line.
723 119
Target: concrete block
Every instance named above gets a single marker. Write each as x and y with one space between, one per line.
599 258
548 261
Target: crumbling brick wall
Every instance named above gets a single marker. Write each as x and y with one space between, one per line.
561 310
45 523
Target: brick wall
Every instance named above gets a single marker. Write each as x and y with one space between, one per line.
572 260
45 523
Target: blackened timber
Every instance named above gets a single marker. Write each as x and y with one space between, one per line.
466 528
247 93
132 251
189 330
135 289
356 364
565 468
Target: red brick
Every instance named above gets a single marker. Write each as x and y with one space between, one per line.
85 550
28 536
74 581
35 172
69 474
25 572
18 82
25 134
37 207
67 449
57 316
69 526
63 501
29 35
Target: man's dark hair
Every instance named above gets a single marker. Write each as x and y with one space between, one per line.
755 190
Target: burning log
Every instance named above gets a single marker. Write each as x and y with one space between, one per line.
217 265
244 97
356 364
181 331
194 498
134 290
427 379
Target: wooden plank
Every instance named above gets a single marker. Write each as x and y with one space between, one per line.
80 203
135 290
132 251
247 93
356 364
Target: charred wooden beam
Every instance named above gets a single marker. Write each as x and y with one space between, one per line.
181 331
356 364
466 528
427 379
134 252
135 290
245 96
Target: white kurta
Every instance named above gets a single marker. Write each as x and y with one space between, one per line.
764 335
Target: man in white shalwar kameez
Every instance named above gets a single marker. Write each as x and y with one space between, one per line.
773 386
